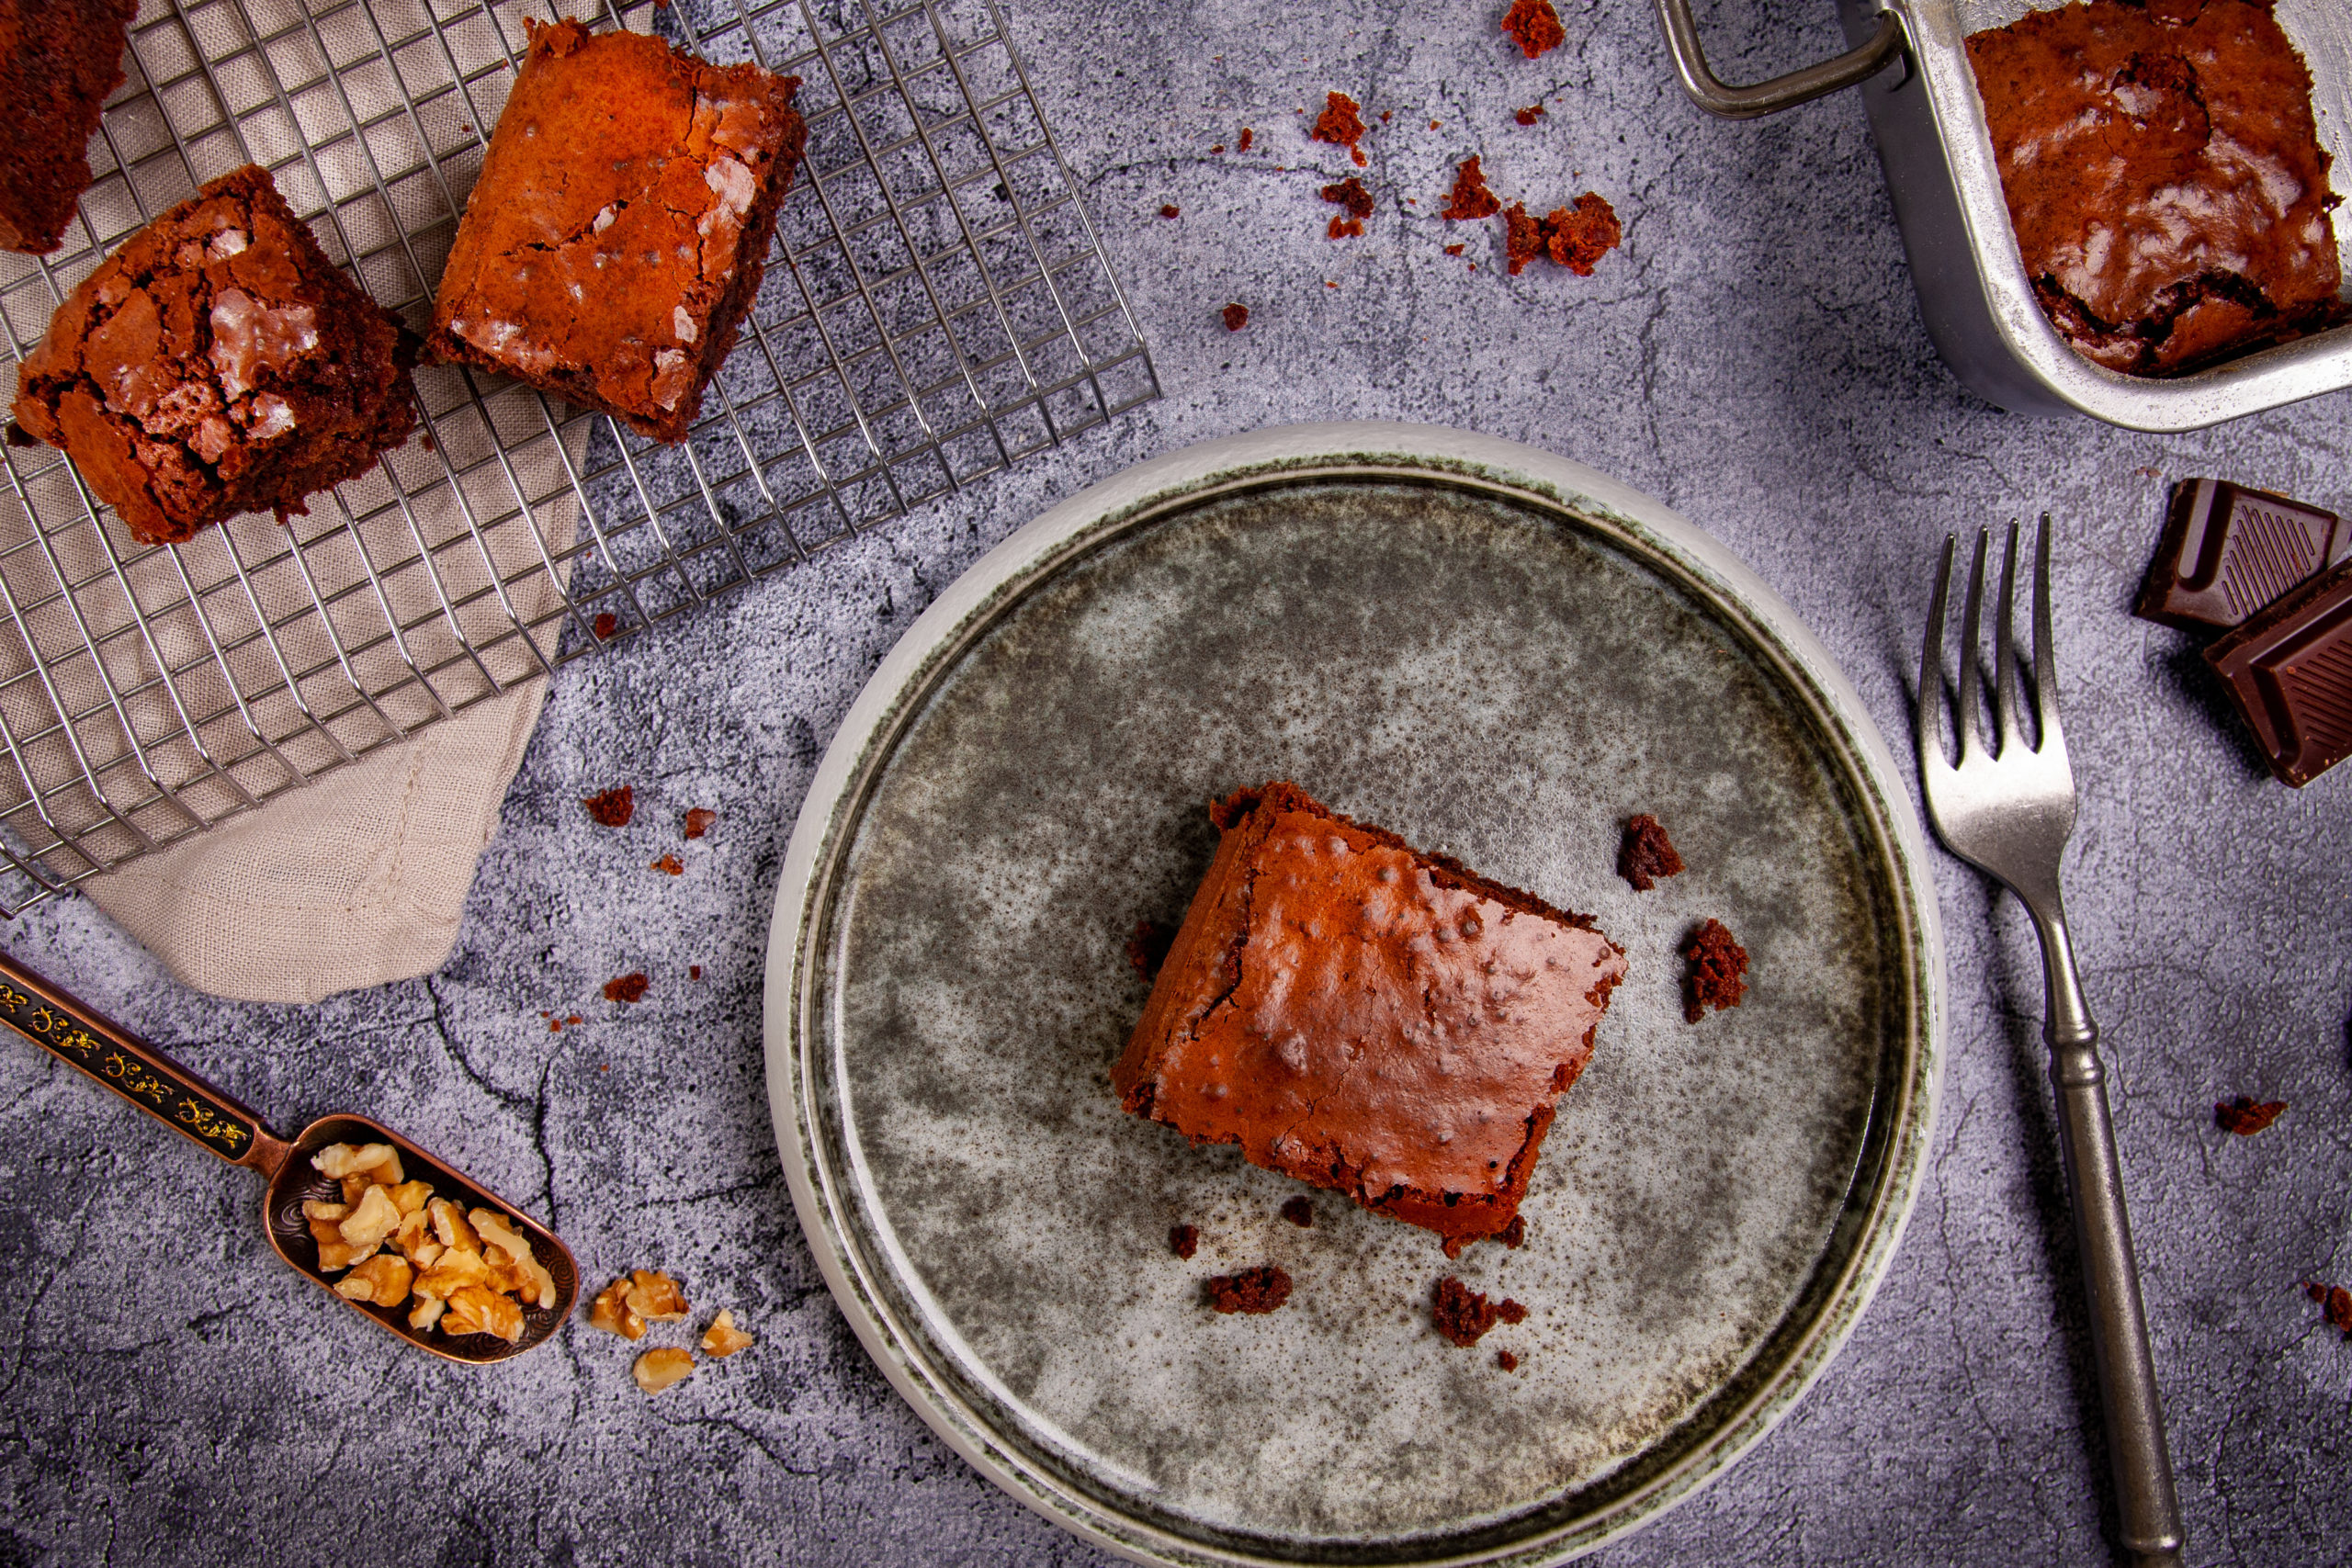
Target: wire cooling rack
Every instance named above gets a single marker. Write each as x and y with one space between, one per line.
937 307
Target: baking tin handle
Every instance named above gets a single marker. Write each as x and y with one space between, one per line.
1849 70
79 1037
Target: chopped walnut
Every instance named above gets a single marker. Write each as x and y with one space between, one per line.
450 1223
415 1241
658 1370
411 1197
453 1271
722 1338
339 1160
382 1280
371 1220
478 1309
610 1311
532 1281
655 1297
335 1256
428 1313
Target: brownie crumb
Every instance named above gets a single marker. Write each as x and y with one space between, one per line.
1185 1240
1248 136
698 822
1147 947
20 437
1578 237
1340 125
1451 1246
1464 1316
629 988
1534 27
1300 1212
1506 1360
2335 1305
1514 1235
1530 114
693 971
1470 198
1216 146
1169 209
1523 238
1262 1289
1350 194
2243 1117
1717 966
613 808
668 865
1453 250
1646 854
606 624
1236 317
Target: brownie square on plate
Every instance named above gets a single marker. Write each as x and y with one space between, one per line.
218 363
612 247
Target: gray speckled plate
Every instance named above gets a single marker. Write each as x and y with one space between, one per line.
1496 653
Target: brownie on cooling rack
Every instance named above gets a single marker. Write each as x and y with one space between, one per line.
59 58
218 363
614 244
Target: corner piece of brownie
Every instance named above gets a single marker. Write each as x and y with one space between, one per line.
218 363
59 58
616 237
1368 1018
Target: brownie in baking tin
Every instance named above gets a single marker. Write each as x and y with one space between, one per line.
618 232
218 363
1368 1018
2164 174
59 58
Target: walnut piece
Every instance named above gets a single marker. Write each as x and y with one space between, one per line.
449 1224
655 1297
477 1309
382 1280
339 1160
428 1313
610 1311
658 1370
371 1220
531 1281
722 1338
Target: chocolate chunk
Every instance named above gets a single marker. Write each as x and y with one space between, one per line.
2288 670
2228 551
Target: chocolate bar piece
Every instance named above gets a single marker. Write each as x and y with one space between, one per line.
2290 671
2228 551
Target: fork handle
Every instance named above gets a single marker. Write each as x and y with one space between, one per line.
2148 1507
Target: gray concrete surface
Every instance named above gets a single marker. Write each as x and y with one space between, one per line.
1753 356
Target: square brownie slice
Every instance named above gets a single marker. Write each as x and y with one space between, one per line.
218 363
618 232
59 58
1368 1018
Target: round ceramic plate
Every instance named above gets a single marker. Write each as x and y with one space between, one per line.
1496 654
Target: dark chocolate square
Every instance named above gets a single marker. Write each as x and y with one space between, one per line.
2288 670
2227 551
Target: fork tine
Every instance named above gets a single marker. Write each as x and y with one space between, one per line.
1929 724
1971 744
2005 658
2045 658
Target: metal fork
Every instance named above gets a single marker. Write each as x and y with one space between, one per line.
2008 811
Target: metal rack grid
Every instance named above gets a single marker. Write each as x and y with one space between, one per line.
937 306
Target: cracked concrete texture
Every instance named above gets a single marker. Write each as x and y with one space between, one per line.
1753 357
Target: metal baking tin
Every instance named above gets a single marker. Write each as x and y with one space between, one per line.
878 1112
1973 292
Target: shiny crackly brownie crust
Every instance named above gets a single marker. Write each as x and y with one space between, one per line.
1368 1018
59 58
620 228
2164 174
218 363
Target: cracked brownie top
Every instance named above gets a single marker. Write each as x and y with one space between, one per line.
621 223
1366 1017
2165 178
218 363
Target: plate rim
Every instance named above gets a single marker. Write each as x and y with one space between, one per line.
1074 526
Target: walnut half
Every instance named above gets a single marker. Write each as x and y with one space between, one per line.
661 1368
